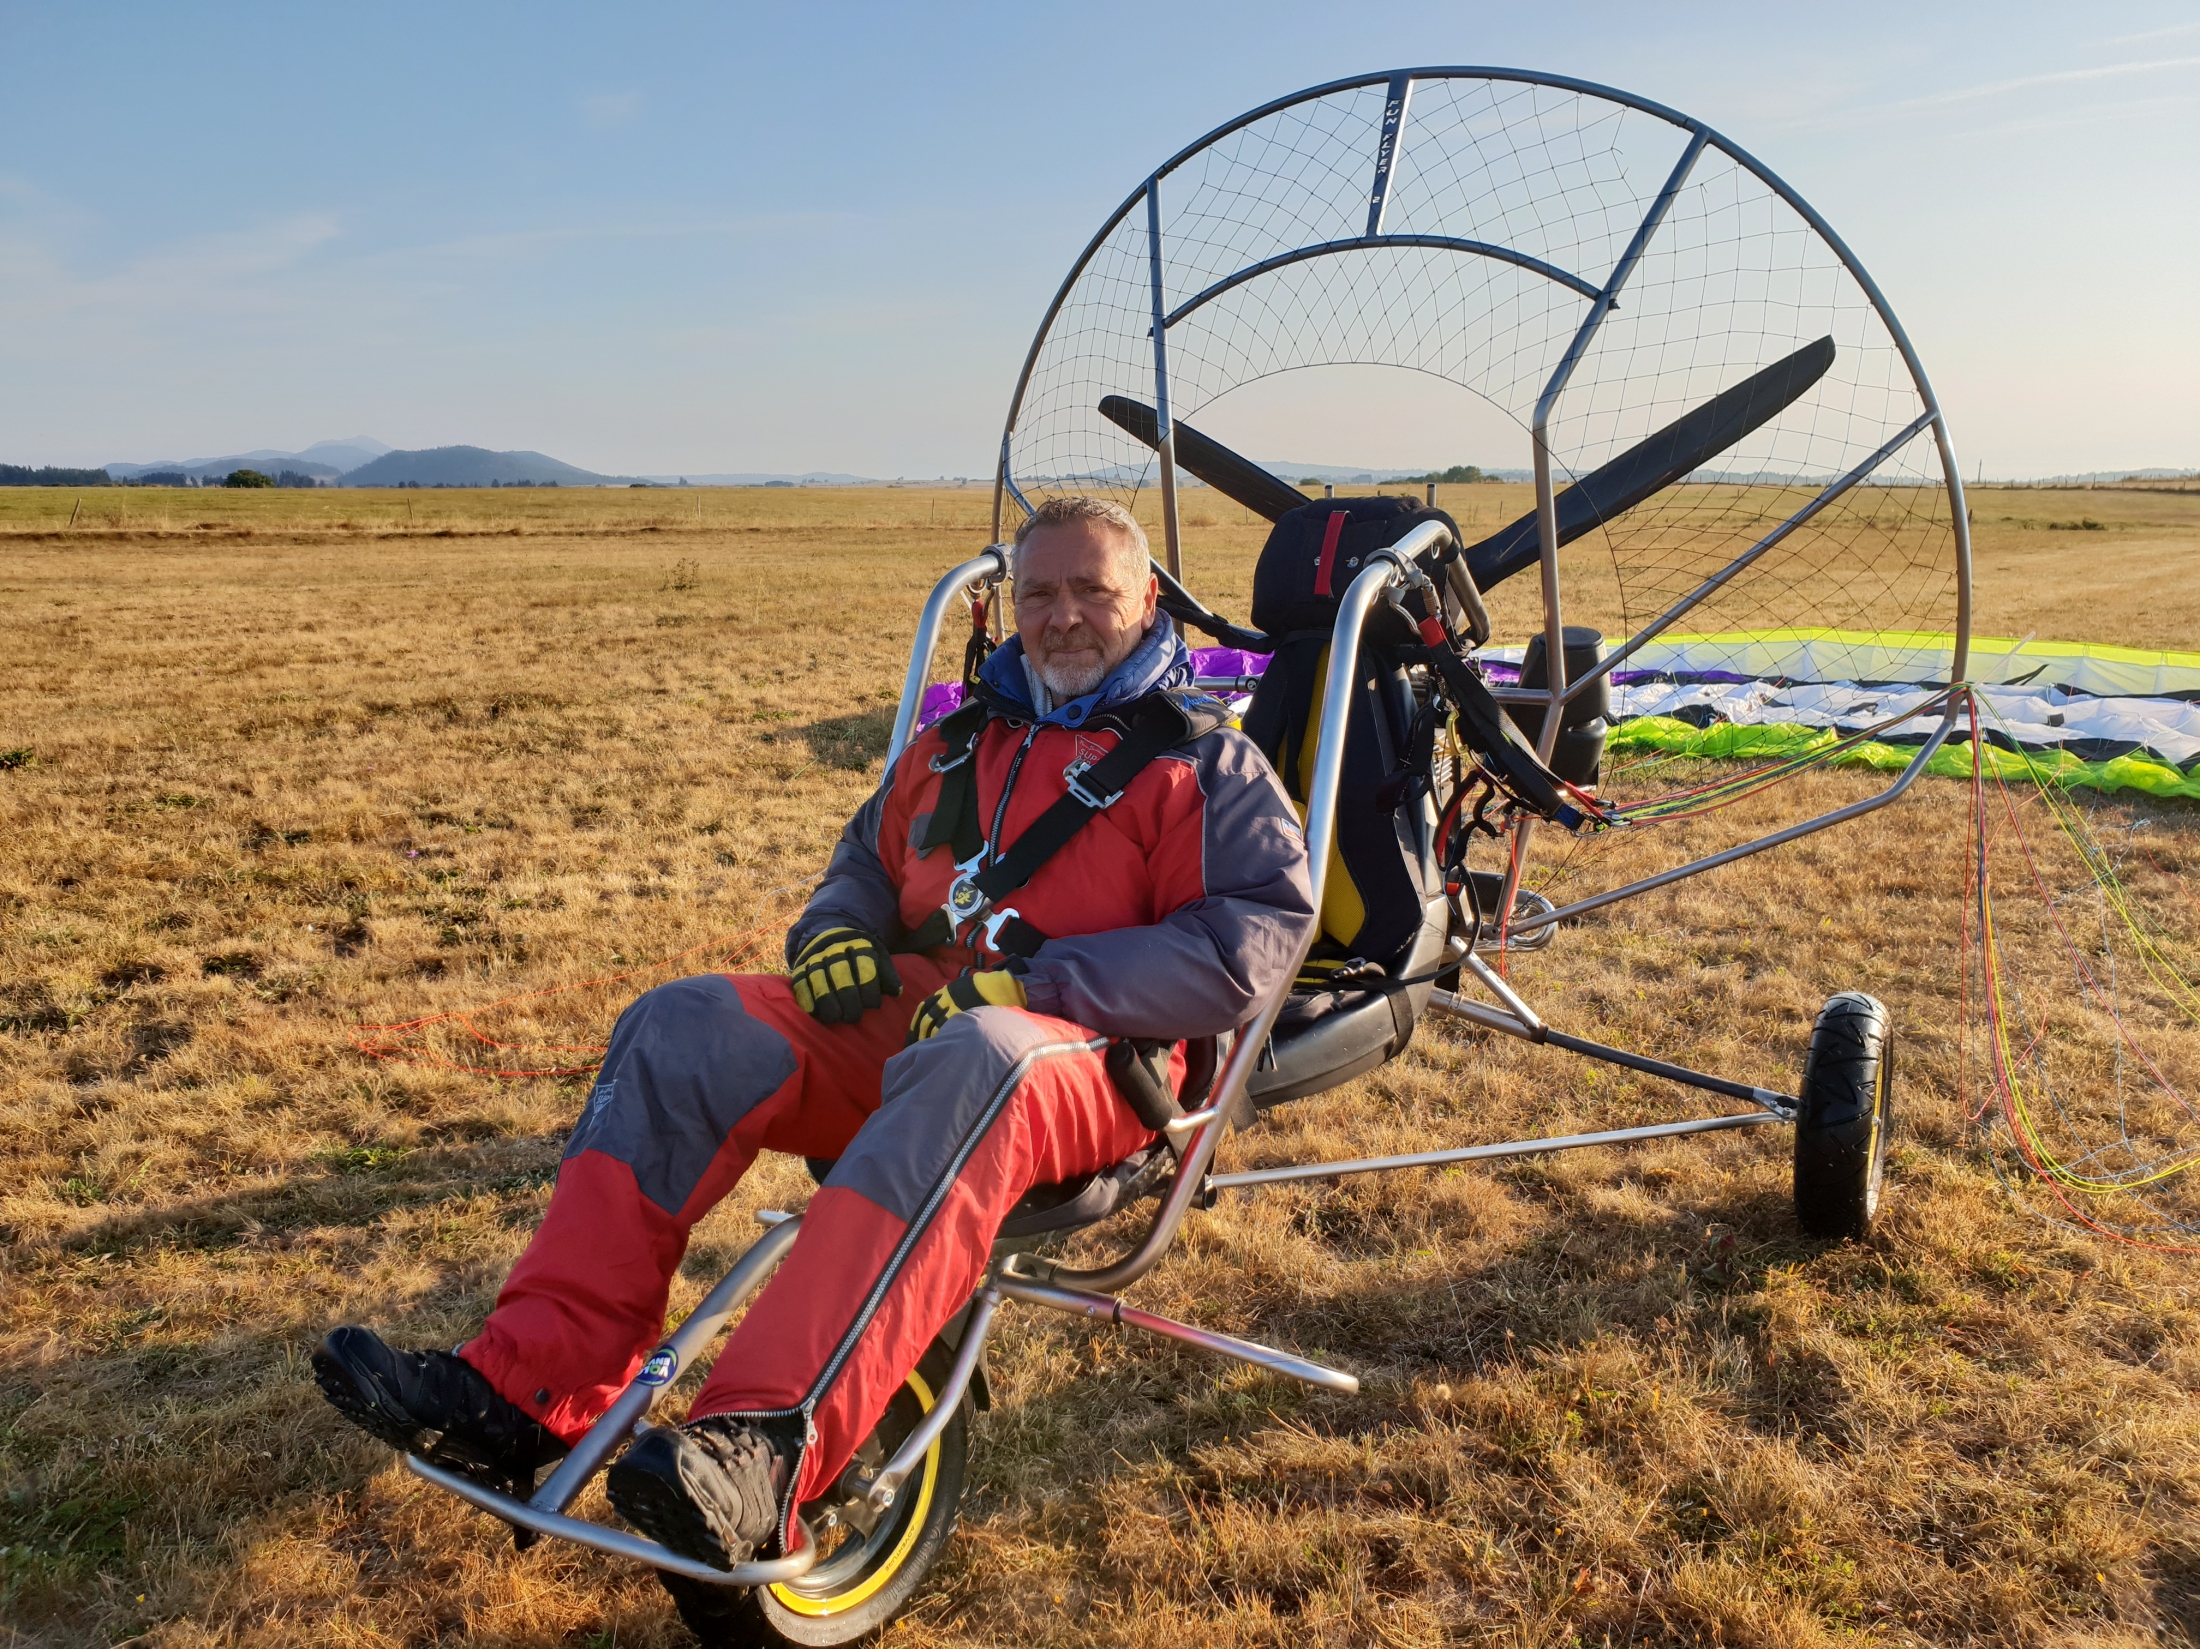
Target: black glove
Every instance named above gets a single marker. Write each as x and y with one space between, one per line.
841 972
997 988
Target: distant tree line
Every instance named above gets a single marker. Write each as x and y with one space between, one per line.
20 475
1457 475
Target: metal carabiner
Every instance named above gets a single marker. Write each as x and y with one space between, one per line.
992 925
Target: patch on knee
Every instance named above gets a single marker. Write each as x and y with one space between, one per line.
937 1095
685 1065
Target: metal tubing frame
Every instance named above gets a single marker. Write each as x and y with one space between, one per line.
1520 1020
1378 243
1164 419
1546 495
918 1443
1479 1013
684 1344
1201 1132
1106 1308
1495 983
1711 586
985 569
765 1572
1783 1106
1487 1153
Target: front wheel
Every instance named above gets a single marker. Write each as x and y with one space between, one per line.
872 1564
1846 1116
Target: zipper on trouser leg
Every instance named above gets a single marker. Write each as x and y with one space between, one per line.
806 1411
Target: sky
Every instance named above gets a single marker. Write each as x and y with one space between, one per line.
659 239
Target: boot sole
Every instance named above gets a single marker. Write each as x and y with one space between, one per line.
355 1394
663 1511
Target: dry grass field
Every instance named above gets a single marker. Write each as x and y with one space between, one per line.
301 761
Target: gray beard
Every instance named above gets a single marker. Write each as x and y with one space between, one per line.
1064 682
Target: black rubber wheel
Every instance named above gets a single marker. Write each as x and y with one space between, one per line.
1847 1115
866 1576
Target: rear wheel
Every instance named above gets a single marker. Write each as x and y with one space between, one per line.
1847 1115
872 1564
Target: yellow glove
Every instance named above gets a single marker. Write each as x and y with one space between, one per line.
997 988
840 973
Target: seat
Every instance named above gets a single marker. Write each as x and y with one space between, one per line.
1382 900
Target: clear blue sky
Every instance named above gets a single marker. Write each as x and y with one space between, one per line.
665 238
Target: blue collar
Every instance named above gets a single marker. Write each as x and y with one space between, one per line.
1159 660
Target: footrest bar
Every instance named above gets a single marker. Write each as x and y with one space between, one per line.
1484 1153
631 1407
1080 1304
763 1573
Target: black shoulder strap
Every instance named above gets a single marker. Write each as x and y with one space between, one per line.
955 809
1157 725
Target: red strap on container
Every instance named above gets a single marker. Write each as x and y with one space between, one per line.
1330 536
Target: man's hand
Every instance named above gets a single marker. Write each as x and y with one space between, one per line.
840 973
997 989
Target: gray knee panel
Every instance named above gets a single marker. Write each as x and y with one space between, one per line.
686 1064
934 1093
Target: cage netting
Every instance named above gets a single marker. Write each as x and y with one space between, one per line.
1507 206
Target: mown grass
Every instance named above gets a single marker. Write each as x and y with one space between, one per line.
287 775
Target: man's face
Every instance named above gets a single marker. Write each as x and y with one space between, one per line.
1078 609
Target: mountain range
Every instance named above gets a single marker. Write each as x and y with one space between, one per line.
362 461
324 461
474 467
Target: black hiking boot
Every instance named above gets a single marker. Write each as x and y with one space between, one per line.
708 1490
434 1404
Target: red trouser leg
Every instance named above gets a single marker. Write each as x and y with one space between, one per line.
898 1238
700 1075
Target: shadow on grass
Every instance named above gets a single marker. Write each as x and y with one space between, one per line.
340 1189
852 742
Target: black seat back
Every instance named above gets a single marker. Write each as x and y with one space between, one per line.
1382 901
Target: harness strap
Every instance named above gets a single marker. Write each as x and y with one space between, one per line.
955 810
1091 793
1482 726
1156 726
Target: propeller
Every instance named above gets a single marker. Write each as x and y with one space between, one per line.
1229 474
1654 462
1609 491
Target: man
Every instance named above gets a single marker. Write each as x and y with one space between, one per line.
1169 913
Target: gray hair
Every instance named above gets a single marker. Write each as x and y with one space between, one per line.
1065 509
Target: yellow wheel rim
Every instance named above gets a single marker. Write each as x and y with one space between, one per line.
927 1476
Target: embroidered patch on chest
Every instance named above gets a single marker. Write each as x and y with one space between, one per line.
1089 750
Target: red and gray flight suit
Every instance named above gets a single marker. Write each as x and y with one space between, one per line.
1169 915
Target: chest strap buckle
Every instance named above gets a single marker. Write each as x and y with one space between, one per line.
1073 775
965 901
993 924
